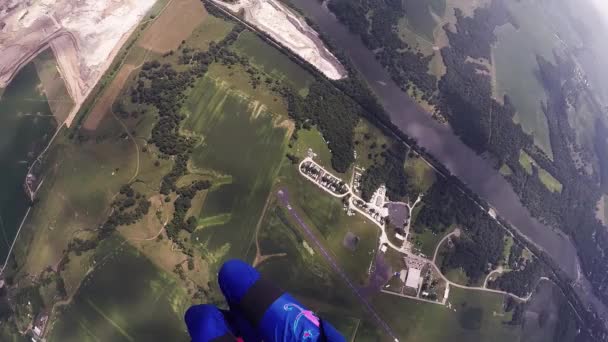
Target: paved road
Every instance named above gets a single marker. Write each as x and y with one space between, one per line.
477 288
284 198
384 238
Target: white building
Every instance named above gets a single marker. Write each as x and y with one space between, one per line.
413 278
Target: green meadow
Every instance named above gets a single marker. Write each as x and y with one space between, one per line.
147 307
26 126
240 138
273 62
528 164
540 31
471 316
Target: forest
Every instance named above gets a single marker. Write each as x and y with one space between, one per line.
390 172
377 31
482 242
334 114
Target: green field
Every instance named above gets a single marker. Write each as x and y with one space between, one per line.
418 25
240 139
26 125
420 16
427 241
273 62
526 161
147 307
458 276
507 249
305 275
53 85
505 170
549 181
326 214
313 140
212 29
420 175
514 58
79 185
474 316
369 144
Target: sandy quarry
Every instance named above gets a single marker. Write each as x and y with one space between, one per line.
290 30
85 36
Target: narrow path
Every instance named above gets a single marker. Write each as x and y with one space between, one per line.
456 232
134 143
284 198
259 258
498 270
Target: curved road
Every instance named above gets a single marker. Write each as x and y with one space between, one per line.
384 237
477 288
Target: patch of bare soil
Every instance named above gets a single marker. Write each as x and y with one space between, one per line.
104 104
85 37
182 17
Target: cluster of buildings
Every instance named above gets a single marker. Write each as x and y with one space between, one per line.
323 178
39 326
373 212
357 173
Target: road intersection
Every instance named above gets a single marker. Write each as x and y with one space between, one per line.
327 182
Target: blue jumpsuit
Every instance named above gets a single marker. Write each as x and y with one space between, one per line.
258 312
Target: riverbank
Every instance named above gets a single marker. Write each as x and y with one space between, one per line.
289 30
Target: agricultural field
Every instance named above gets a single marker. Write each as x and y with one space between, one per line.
103 105
26 125
176 23
420 174
526 161
252 160
305 274
369 144
514 59
212 29
240 133
505 170
422 17
273 62
80 181
53 85
471 316
516 68
147 307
